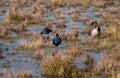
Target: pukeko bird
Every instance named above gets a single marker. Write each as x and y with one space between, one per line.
97 30
57 40
46 30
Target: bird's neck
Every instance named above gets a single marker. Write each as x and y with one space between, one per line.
97 27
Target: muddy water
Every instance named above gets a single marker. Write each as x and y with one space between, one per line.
2 13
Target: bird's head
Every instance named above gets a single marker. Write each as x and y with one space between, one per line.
57 34
94 23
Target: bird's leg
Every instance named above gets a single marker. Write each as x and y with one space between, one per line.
56 48
97 51
99 35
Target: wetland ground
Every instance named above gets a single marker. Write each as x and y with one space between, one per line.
25 53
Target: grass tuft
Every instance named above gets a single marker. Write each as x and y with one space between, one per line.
59 66
56 3
71 36
35 43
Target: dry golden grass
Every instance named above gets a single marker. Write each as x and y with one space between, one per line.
75 3
4 33
20 74
75 14
20 28
74 51
36 42
38 14
98 14
21 3
60 25
37 11
98 3
59 66
91 44
17 15
109 44
113 10
110 36
58 2
104 3
109 39
23 74
43 1
71 36
4 3
109 65
88 61
84 18
39 55
112 39
105 63
106 45
86 32
60 15
111 19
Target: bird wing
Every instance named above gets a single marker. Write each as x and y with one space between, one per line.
99 29
53 41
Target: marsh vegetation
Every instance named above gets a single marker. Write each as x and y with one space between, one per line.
26 53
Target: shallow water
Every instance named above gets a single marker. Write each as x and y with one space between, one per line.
23 59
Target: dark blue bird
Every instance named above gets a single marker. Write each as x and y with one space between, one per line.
57 40
46 30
